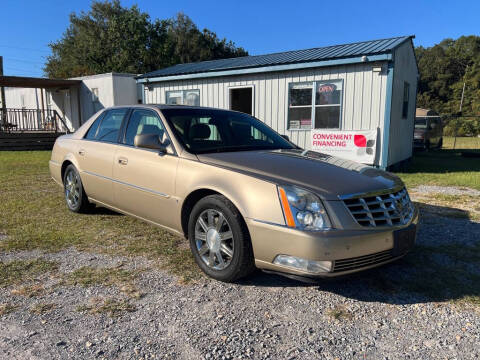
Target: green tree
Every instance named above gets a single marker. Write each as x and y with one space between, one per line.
443 69
110 37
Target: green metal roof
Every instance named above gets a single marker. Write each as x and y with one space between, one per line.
346 51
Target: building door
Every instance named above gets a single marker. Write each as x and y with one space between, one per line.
241 99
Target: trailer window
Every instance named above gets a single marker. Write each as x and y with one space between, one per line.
183 97
315 105
406 96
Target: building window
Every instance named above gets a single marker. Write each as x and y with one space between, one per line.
315 105
95 95
183 97
406 96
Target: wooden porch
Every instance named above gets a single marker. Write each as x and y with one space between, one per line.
33 129
30 129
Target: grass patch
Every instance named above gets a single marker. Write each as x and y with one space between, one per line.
109 306
29 291
88 276
444 168
42 308
467 143
19 271
456 206
34 216
339 313
7 309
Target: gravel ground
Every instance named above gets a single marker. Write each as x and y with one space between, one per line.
446 190
267 316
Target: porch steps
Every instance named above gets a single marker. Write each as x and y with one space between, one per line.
38 140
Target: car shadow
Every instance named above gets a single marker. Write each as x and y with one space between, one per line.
440 161
443 266
98 210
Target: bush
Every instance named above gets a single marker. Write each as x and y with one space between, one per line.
462 127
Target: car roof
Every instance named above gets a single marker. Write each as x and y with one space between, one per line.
165 106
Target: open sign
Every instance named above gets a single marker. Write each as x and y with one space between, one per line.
327 88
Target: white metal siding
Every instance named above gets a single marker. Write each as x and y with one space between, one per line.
363 105
401 130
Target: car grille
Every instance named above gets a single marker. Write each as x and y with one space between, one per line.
390 209
362 261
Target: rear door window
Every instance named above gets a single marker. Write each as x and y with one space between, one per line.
109 128
92 132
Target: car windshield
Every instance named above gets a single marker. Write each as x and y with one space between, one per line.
210 130
420 123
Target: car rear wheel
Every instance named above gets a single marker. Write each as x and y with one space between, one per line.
219 239
75 196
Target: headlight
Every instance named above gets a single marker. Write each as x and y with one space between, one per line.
302 209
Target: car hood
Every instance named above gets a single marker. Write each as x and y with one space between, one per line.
326 175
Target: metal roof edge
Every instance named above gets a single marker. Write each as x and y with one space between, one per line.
273 68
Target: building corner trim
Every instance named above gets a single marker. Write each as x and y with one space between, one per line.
387 117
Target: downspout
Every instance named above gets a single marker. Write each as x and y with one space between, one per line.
143 93
387 117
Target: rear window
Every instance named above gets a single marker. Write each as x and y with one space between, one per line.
420 122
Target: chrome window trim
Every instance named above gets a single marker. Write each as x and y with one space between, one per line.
127 184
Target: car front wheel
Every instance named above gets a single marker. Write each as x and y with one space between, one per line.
219 239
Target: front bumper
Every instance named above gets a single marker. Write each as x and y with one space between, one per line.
350 250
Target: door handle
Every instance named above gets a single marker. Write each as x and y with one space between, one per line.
81 152
122 161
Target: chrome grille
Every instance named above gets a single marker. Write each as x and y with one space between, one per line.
362 261
386 209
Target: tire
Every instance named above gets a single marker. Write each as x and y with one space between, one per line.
75 196
427 145
229 241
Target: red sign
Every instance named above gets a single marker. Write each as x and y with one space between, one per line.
327 88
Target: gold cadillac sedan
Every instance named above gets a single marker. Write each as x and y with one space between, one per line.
243 195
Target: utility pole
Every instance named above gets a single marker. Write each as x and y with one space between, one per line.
463 90
461 104
3 121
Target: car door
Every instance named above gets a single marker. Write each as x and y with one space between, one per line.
144 178
95 154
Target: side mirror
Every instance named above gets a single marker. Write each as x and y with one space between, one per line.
285 137
151 141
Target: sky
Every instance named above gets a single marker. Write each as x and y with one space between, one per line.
261 27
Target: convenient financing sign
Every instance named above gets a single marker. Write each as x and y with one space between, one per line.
357 146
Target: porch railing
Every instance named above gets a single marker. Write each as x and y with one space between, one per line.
29 120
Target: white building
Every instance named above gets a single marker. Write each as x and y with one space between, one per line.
96 92
354 100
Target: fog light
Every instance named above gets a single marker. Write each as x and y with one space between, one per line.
311 266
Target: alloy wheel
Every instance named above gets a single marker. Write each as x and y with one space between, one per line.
72 189
214 239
